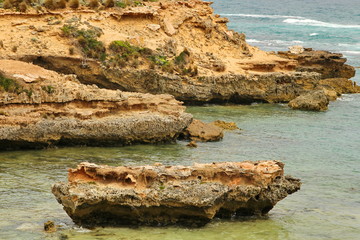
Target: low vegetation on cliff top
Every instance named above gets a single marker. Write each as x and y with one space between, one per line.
123 54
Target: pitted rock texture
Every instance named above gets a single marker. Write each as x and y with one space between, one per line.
328 64
98 195
219 65
40 108
313 101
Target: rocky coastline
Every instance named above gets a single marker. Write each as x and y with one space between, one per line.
41 108
179 48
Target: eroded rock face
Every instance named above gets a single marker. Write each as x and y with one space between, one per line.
219 65
40 108
189 195
328 64
313 101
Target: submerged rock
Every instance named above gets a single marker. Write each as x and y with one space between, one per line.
40 108
49 226
313 101
99 195
225 125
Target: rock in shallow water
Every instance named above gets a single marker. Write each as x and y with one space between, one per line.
203 132
313 101
98 195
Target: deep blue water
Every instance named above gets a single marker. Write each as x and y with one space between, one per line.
275 25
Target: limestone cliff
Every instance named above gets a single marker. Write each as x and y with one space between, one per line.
40 108
160 195
177 47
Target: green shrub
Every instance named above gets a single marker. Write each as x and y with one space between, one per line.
109 3
87 40
159 60
68 30
120 4
124 47
9 85
23 6
93 3
74 3
49 89
182 58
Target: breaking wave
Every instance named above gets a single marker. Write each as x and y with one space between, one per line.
260 15
315 23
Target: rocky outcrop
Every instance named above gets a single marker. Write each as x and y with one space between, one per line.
40 108
204 132
160 195
172 47
313 101
328 64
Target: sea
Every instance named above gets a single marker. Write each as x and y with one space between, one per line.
320 148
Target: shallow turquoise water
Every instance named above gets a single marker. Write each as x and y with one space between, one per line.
320 148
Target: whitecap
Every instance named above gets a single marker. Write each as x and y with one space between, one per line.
252 40
315 23
313 34
346 98
352 45
260 15
350 52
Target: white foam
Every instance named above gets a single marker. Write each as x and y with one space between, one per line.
350 52
352 45
313 34
275 42
346 98
315 23
260 15
252 40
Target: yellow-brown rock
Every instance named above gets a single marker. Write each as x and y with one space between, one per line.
40 108
98 195
225 125
204 132
313 101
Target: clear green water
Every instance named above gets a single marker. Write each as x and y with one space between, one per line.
323 149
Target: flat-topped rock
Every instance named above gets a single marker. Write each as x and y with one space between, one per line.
99 195
57 109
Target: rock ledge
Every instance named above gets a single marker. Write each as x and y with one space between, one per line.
98 195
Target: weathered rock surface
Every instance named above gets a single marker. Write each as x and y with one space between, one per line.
41 108
204 132
328 64
313 101
219 65
193 195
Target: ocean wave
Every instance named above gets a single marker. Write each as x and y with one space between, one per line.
346 98
260 15
352 45
315 23
357 53
313 34
274 42
252 41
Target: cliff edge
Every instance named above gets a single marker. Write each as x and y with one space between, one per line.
40 108
176 47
